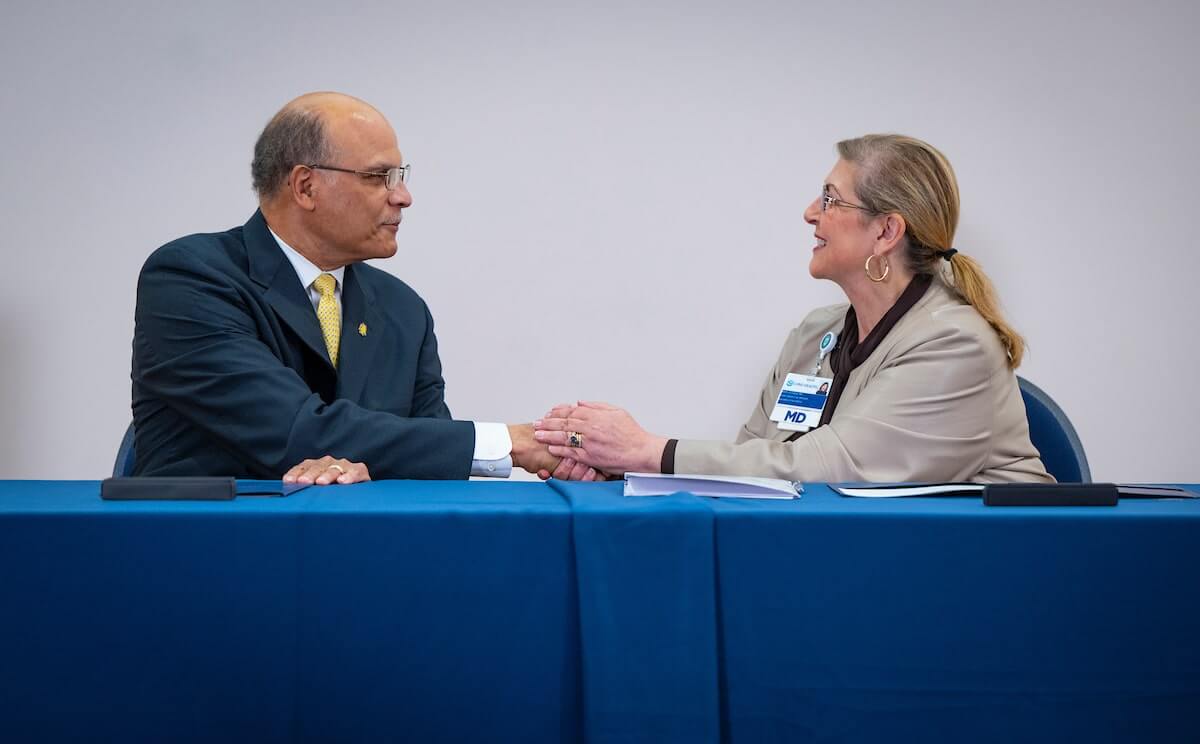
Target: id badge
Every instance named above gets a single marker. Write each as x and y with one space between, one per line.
801 400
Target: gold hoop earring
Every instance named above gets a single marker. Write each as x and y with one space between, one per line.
886 268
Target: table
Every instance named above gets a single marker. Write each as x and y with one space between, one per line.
428 611
411 611
945 620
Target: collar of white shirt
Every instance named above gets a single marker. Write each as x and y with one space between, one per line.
308 272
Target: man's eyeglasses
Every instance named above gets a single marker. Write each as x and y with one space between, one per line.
827 201
392 177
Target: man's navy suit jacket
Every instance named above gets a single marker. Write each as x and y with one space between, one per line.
231 375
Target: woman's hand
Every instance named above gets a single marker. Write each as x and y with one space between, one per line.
608 438
326 470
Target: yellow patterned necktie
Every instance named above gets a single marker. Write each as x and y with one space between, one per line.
328 314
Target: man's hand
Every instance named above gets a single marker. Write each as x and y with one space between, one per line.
326 470
528 454
568 469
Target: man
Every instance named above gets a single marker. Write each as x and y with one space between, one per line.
271 350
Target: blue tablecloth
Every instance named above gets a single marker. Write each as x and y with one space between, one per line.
946 620
396 611
646 603
427 611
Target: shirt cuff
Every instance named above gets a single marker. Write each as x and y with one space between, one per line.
493 450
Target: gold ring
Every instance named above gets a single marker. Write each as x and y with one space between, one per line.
575 439
337 467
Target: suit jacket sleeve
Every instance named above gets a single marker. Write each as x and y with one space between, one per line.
925 416
201 350
429 391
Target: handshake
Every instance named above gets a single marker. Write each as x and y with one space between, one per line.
584 441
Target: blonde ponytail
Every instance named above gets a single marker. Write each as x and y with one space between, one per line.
974 286
914 179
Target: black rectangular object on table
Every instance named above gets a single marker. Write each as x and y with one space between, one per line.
168 489
1050 494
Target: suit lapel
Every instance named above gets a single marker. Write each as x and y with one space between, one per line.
271 270
362 329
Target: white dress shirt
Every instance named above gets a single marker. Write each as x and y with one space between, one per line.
493 446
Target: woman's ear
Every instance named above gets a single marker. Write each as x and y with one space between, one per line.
891 231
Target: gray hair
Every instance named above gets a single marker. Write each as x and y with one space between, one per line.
294 136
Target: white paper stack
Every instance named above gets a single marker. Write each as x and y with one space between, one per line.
916 489
658 484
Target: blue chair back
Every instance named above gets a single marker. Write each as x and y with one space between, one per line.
1055 438
123 467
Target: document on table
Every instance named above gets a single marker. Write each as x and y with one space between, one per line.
1131 491
249 487
916 489
1136 491
725 486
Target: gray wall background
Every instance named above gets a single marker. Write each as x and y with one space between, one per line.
608 200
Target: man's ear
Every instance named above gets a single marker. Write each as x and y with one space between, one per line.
891 232
303 185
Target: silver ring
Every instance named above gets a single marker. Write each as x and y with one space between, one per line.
337 467
575 439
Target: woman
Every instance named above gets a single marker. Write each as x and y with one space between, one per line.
919 363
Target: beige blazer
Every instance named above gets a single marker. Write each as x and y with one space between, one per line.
934 402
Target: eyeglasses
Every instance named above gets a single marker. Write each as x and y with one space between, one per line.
828 201
392 177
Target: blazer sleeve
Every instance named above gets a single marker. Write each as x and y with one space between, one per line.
429 390
201 352
926 416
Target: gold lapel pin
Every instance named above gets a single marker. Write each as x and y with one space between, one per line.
362 329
